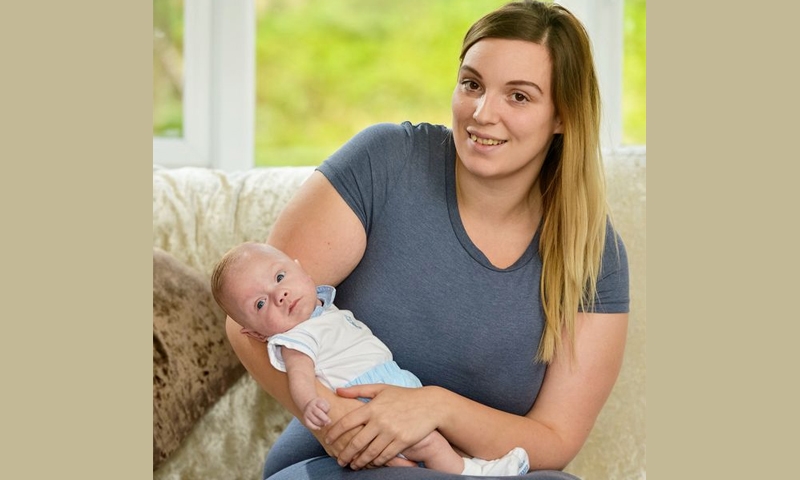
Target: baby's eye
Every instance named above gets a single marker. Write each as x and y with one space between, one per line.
260 304
280 277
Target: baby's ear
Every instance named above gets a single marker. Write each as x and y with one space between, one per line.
253 334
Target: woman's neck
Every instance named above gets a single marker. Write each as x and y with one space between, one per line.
498 200
500 216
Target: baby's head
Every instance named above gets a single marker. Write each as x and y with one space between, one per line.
263 290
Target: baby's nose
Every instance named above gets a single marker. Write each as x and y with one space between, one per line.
282 296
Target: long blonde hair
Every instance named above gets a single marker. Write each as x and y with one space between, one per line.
575 210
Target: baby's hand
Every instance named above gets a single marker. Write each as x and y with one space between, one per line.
315 413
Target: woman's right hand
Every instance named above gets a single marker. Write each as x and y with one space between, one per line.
343 406
339 407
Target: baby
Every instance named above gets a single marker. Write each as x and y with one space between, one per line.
308 337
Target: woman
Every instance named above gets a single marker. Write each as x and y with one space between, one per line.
483 256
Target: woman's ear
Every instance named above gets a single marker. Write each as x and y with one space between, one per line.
559 126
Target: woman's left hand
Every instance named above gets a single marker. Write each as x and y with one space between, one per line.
395 419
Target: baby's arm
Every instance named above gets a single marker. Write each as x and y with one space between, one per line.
302 386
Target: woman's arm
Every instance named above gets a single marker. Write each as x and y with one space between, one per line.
553 431
571 397
319 229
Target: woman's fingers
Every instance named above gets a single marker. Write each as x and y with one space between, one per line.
374 453
388 456
357 445
348 422
344 441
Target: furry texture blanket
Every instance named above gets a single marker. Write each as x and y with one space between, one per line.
198 214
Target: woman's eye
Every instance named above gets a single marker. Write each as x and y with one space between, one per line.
260 304
520 98
280 277
470 85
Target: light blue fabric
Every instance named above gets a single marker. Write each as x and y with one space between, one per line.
389 373
326 294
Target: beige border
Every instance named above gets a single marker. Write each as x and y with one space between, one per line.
76 150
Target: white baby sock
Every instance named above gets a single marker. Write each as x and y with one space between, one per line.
513 463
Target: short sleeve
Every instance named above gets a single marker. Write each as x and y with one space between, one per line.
362 170
613 289
295 339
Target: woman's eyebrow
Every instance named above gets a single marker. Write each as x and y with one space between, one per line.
471 70
527 83
512 82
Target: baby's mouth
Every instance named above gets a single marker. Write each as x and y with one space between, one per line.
293 304
486 141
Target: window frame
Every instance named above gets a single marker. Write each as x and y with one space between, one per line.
605 19
219 88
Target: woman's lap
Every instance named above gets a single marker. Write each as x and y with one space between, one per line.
298 456
293 446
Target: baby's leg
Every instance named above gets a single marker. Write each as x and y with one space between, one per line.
436 453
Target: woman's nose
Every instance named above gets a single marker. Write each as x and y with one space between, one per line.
485 111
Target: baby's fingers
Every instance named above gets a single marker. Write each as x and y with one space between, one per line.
315 414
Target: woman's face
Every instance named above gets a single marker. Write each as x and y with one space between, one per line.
503 112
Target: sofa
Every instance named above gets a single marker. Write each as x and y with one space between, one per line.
211 420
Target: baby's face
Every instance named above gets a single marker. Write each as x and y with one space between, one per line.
269 293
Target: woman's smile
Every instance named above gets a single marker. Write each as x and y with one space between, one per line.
481 140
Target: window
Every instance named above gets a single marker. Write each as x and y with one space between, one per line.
277 82
621 65
325 70
211 123
634 74
168 68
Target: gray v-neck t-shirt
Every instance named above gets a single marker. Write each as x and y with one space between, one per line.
448 315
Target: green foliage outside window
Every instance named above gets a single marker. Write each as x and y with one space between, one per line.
327 69
167 68
634 74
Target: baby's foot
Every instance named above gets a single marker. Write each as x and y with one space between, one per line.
513 463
